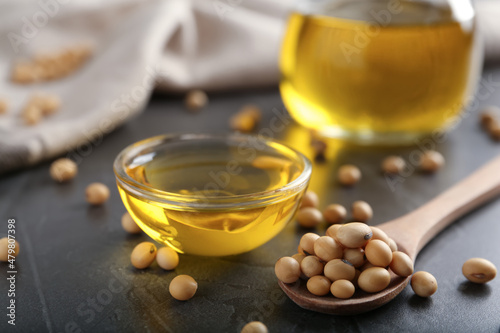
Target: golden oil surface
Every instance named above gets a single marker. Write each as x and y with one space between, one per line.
212 170
354 71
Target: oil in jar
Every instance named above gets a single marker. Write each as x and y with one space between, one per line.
360 71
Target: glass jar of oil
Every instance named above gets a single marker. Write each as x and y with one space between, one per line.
379 71
211 195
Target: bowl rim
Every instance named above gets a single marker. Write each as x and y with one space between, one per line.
206 201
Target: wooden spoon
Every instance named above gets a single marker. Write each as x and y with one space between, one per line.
411 232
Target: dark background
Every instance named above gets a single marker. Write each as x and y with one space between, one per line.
74 270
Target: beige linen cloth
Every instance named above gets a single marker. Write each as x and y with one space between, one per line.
172 45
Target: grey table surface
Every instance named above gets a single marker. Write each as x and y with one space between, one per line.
74 273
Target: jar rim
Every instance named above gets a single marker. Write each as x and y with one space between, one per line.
190 201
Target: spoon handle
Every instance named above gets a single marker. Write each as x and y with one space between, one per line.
417 228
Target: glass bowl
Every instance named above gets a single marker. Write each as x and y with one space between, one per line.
211 195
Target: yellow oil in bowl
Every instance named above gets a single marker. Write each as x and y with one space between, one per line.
211 195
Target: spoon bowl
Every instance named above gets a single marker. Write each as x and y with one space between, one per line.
411 233
359 303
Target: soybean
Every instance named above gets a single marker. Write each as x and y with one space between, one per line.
253 110
318 285
299 257
287 270
479 270
143 255
196 99
310 199
167 258
393 245
326 248
349 175
334 213
332 230
319 148
307 242
431 161
380 234
183 287
361 211
401 264
49 104
39 106
246 119
339 269
311 266
309 217
342 289
8 248
354 235
393 164
424 284
51 66
97 193
254 327
374 279
489 116
32 115
63 170
355 256
495 132
378 253
129 225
